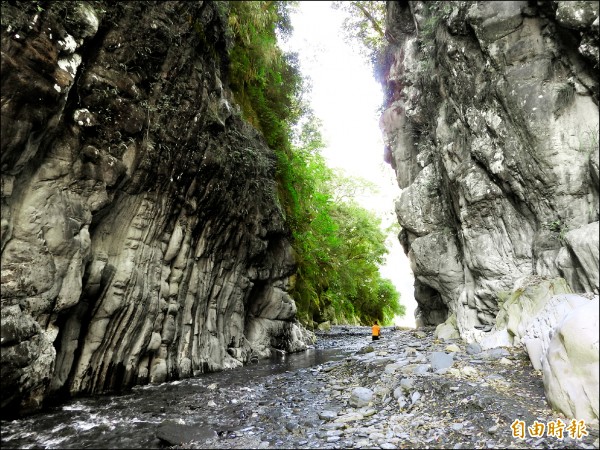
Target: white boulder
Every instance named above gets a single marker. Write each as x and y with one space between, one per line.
570 368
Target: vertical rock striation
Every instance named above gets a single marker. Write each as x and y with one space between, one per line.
491 124
142 239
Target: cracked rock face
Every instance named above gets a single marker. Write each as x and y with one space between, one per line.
491 124
142 239
492 127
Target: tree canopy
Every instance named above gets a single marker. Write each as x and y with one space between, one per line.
364 28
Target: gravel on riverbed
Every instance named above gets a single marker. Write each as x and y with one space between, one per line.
406 390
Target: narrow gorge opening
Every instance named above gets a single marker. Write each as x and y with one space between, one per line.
336 46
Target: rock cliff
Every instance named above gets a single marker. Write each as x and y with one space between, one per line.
142 239
491 124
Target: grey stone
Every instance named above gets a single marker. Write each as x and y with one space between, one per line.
291 426
441 360
391 368
366 349
337 432
414 398
421 368
360 397
473 348
494 353
398 392
577 15
407 384
327 415
453 348
349 417
447 330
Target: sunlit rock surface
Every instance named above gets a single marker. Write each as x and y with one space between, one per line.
570 368
542 328
491 124
142 239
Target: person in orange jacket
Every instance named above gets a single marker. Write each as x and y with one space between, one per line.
376 331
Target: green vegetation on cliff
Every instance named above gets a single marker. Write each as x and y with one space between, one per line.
339 245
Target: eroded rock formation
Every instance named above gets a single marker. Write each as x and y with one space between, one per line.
492 127
142 239
491 124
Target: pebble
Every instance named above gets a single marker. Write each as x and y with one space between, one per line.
334 433
452 348
368 412
349 417
473 348
469 371
327 415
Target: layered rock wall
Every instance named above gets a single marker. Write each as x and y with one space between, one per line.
491 124
142 239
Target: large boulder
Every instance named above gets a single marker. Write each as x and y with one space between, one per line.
527 300
543 327
570 368
447 330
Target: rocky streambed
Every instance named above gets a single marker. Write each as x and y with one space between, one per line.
407 390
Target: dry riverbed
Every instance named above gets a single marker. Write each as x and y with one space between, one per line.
416 393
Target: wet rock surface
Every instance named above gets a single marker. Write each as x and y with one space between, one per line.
470 404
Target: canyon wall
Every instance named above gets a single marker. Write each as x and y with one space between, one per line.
142 238
491 124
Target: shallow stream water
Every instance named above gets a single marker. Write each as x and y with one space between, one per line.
215 404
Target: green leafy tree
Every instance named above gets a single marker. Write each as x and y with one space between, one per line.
339 244
364 28
265 80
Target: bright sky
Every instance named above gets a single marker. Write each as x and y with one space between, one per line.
346 97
